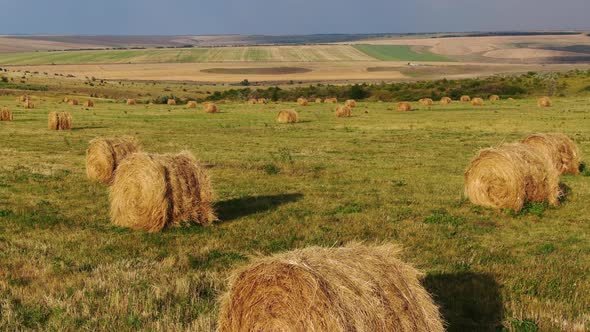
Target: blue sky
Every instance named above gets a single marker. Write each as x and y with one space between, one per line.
287 16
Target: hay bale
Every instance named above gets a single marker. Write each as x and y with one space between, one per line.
5 114
89 103
561 150
66 100
131 101
445 100
426 101
28 104
211 108
171 102
252 101
73 102
318 100
465 99
59 121
105 154
191 104
353 288
288 116
404 106
302 101
544 102
331 100
344 111
150 192
508 176
350 103
477 102
23 98
262 101
494 98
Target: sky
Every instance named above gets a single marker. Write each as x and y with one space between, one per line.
274 17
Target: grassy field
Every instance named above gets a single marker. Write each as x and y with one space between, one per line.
398 53
380 176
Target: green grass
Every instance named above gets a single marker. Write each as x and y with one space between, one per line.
398 53
381 176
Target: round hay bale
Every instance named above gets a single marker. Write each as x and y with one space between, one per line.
73 102
28 104
350 103
287 116
252 101
344 111
59 121
559 148
494 98
24 98
89 103
171 102
262 101
318 100
66 100
426 101
5 114
477 102
353 288
211 108
131 101
191 104
105 154
331 100
445 100
404 106
544 102
508 176
150 192
302 101
465 99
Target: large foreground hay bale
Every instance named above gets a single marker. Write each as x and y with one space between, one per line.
477 102
105 154
465 98
331 100
288 116
445 100
5 114
73 102
59 121
131 101
343 111
494 98
211 108
350 103
171 102
426 101
560 148
302 101
354 288
403 106
191 104
544 102
89 103
151 192
509 176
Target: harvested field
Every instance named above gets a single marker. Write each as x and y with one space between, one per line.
257 71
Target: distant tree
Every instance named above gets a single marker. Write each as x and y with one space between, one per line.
245 82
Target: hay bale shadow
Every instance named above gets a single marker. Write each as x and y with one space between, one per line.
240 207
88 127
468 301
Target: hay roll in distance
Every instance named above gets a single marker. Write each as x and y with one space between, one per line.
191 104
343 111
477 102
426 101
211 108
89 103
5 114
354 288
252 101
66 100
151 192
404 106
562 151
318 100
171 102
288 116
28 104
59 121
262 101
544 102
350 103
73 102
302 101
508 176
104 155
131 101
465 98
494 98
331 100
446 100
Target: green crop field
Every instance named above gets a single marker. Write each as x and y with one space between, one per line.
379 177
398 53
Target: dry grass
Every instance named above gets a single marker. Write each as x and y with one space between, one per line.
104 155
354 288
288 116
59 121
509 176
559 148
151 192
404 106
